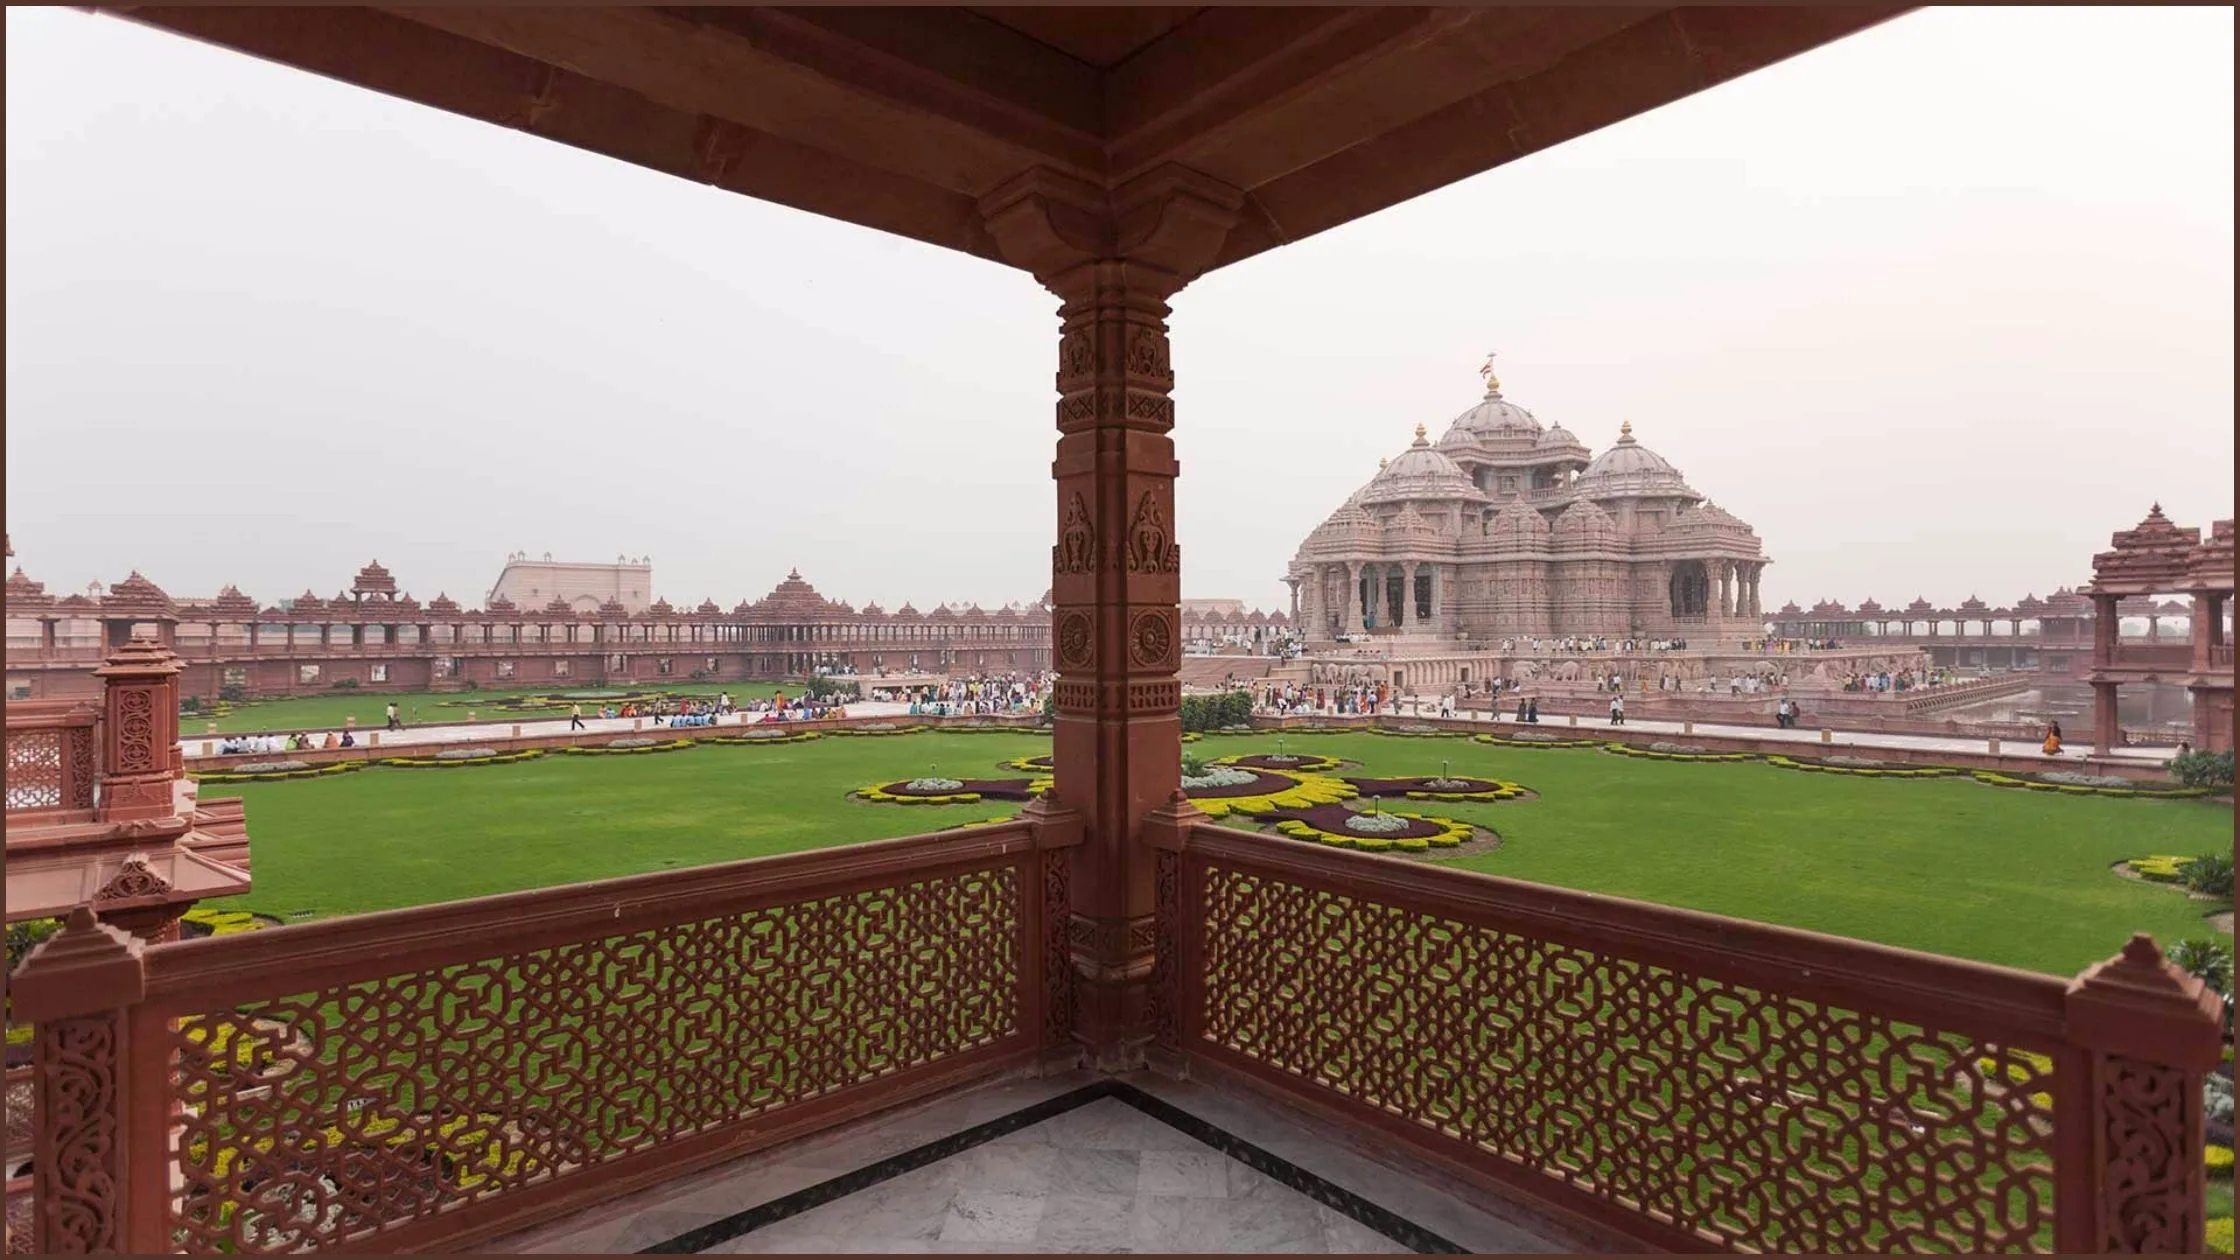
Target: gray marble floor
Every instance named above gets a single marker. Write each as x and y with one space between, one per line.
1102 1177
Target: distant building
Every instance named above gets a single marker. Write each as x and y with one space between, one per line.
1213 608
530 583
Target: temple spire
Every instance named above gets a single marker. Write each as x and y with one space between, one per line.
1485 370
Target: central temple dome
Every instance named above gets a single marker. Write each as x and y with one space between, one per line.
1419 474
1493 419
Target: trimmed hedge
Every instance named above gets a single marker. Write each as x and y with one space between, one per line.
797 737
1452 834
1869 772
327 771
1499 742
1628 750
583 750
441 763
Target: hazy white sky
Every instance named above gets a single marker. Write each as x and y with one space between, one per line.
1936 309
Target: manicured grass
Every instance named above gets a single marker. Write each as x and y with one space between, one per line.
331 708
1949 866
389 837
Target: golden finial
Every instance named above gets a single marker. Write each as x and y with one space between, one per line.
1381 462
1493 383
1421 432
1625 430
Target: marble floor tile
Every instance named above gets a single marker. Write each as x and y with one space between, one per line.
992 1216
1087 1222
1201 1174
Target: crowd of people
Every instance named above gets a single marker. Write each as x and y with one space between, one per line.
976 695
1903 680
1577 644
297 741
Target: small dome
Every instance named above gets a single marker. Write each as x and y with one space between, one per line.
1419 473
1630 466
1557 435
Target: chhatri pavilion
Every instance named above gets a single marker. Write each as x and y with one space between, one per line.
1508 528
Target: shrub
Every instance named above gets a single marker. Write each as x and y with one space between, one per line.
345 684
2203 769
2216 1236
190 704
1193 766
1213 712
2220 1163
233 693
25 936
2210 874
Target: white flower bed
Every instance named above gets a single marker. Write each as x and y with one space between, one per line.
462 754
2086 780
1857 763
1219 777
1376 824
633 742
270 767
934 785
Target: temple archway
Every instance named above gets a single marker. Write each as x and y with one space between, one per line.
1690 589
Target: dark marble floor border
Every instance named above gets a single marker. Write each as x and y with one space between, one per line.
1391 1225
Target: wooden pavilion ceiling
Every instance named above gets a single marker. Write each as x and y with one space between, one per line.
901 119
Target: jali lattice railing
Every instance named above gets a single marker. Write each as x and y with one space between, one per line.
52 758
432 1077
1683 1080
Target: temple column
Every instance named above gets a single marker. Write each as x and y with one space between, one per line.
1408 615
1355 597
2105 628
1113 258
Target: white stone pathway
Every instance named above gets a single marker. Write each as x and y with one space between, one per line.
1806 739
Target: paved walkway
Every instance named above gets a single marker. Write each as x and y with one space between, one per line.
1805 739
1809 737
418 736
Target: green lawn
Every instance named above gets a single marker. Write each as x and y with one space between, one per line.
1950 866
329 709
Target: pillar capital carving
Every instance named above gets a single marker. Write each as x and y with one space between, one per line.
1148 237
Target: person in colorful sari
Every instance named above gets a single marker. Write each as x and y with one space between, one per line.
2053 739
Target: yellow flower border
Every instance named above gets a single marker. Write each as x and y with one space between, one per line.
797 737
602 750
1453 833
1497 741
1306 792
878 794
1310 763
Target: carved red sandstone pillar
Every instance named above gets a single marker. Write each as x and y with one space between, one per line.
1114 258
2131 1124
140 688
2105 628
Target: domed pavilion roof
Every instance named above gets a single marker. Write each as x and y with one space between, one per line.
1420 473
1493 419
1631 468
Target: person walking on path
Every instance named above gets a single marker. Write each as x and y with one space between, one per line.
575 717
1618 710
395 723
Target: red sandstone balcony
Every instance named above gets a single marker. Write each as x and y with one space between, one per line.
1612 1073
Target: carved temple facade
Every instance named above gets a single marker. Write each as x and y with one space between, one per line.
1508 528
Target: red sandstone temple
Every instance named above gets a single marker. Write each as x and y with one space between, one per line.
378 638
1604 1074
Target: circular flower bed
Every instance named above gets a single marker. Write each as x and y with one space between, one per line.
1534 739
1303 763
1438 787
1219 777
1044 764
1861 767
880 728
2085 780
625 747
465 757
1676 752
1387 830
276 771
2047 783
785 737
1262 791
933 790
1377 824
